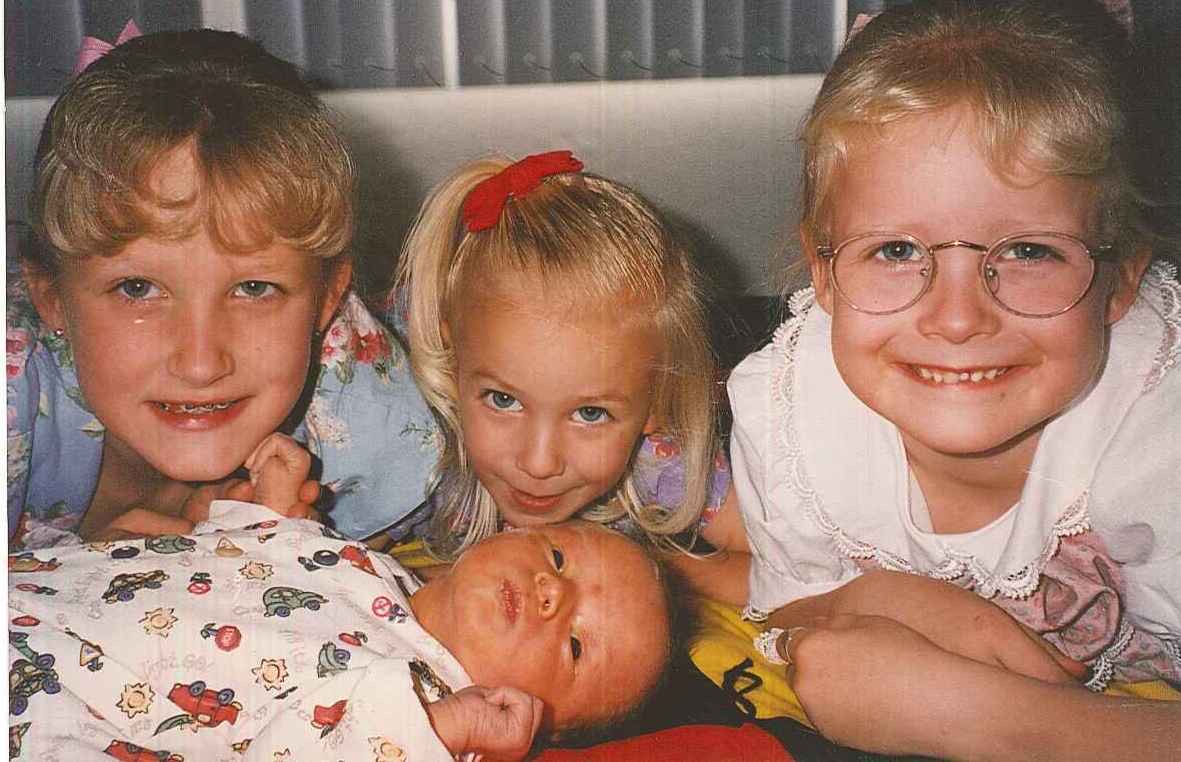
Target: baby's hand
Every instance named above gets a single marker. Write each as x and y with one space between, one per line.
495 723
279 469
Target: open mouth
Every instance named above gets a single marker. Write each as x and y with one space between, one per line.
948 377
195 408
510 600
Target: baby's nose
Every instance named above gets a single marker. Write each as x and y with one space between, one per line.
551 592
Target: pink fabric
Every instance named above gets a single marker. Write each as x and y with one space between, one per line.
93 48
1078 607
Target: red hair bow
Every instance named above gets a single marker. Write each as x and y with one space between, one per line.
482 207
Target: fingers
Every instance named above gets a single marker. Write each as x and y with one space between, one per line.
279 468
282 450
309 492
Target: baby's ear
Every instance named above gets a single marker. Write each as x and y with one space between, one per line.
652 425
820 272
45 295
1128 273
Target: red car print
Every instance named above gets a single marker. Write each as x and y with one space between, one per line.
325 718
206 706
358 558
129 752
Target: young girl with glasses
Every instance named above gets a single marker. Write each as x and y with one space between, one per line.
956 461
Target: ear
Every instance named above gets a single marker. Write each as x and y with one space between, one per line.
1126 283
340 275
652 425
821 279
45 295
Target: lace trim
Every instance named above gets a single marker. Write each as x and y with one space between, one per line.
1174 649
1018 585
1162 276
1104 666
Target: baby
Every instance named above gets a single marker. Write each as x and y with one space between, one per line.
268 638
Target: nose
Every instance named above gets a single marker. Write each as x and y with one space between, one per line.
551 592
540 455
958 308
201 353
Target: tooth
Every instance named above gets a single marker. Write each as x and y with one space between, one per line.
990 374
965 376
925 373
977 375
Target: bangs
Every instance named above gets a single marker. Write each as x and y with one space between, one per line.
251 165
593 241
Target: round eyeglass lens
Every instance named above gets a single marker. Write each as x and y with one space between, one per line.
881 272
1038 274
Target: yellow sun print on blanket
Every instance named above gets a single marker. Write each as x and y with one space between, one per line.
270 673
385 750
256 570
158 621
136 699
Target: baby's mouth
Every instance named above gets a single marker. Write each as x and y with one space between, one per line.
192 408
510 599
945 376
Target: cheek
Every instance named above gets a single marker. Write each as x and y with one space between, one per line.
482 439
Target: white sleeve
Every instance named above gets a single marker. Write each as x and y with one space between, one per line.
1135 506
382 719
793 557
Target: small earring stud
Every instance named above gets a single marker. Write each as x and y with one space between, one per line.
59 332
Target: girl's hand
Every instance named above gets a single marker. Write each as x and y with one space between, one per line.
495 723
954 619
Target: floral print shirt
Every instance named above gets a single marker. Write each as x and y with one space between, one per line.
366 422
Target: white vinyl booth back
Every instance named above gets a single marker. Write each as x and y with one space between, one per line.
717 155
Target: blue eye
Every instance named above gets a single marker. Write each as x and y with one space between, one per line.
136 289
897 251
575 648
256 289
501 401
559 559
1028 251
591 414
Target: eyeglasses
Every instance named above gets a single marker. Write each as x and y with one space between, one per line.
1035 275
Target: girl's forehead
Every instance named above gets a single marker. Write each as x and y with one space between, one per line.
552 298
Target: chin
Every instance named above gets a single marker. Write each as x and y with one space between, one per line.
973 442
199 467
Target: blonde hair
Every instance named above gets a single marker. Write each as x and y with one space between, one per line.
1048 82
596 238
270 164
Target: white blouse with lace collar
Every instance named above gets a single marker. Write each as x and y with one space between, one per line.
824 486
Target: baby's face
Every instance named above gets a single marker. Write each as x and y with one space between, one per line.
573 614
